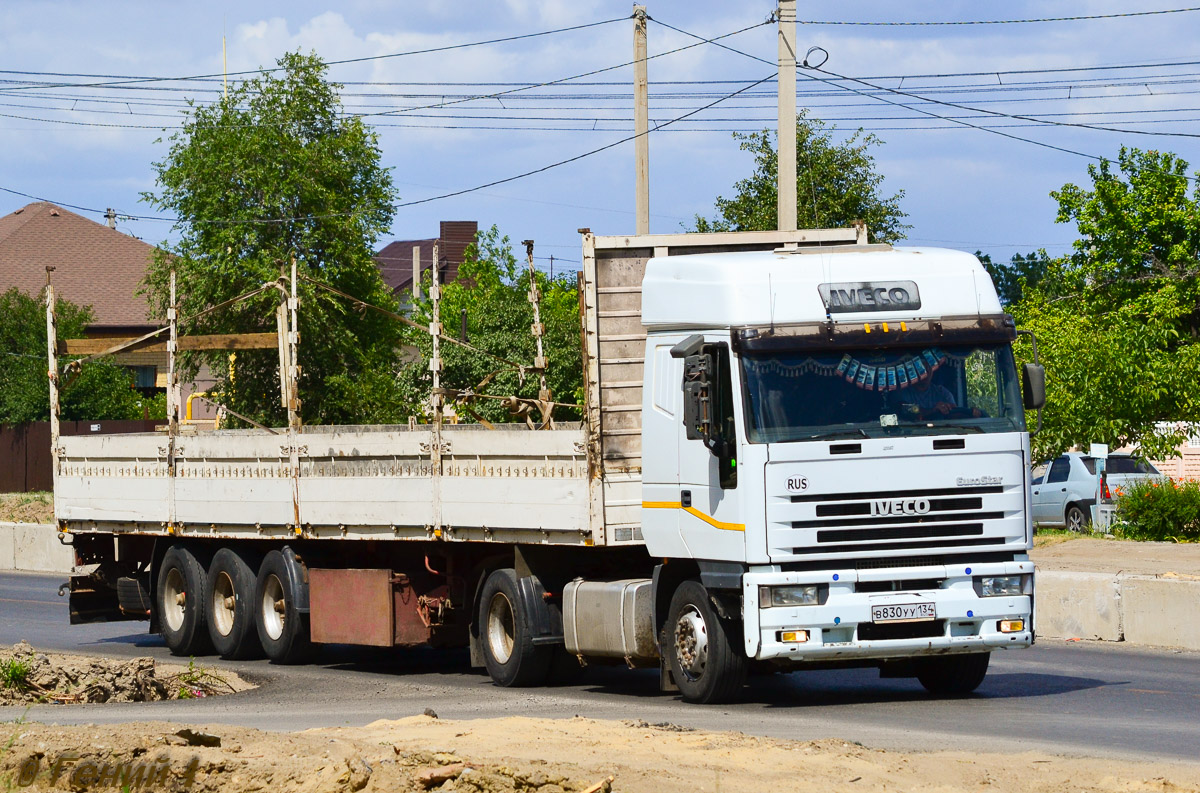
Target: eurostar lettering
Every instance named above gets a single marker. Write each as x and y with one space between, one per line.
871 296
900 506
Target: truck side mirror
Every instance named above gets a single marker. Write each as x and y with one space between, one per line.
697 396
1033 378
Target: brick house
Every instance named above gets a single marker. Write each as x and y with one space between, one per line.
94 265
395 260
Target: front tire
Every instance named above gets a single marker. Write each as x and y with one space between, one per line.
230 602
953 675
182 617
703 650
282 628
511 657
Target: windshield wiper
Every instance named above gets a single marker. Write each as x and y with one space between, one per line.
839 434
937 427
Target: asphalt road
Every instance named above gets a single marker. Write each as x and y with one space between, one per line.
1071 698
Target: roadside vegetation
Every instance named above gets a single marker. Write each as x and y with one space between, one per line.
36 507
1166 510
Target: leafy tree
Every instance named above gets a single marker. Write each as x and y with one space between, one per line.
493 288
836 184
102 390
271 172
1021 273
1117 319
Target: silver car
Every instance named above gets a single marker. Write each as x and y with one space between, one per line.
1064 489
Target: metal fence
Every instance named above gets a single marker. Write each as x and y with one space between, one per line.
25 461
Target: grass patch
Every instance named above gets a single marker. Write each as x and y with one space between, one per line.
14 673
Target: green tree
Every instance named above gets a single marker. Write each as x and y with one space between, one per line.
492 288
1022 272
836 184
1117 319
271 172
101 391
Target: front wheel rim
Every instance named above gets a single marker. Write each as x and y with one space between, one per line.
501 627
273 607
691 643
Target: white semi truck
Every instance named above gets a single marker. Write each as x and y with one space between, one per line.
797 449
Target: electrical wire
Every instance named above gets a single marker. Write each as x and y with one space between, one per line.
130 80
1080 18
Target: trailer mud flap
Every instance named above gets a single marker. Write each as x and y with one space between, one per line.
545 619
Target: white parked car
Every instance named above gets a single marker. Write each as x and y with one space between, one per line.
1064 489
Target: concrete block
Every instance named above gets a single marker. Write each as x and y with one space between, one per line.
7 546
1161 611
35 547
1077 605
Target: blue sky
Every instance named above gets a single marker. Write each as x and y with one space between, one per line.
967 189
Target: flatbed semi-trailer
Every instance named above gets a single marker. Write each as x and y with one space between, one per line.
761 475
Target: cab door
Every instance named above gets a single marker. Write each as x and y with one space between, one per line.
711 520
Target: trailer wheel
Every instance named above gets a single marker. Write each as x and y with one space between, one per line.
282 628
182 583
706 660
511 657
230 602
953 675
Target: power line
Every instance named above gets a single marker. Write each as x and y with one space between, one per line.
129 80
430 199
997 113
1000 21
585 154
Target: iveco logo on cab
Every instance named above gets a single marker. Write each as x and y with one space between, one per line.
900 506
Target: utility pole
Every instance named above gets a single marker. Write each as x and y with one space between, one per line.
641 119
539 330
52 366
787 116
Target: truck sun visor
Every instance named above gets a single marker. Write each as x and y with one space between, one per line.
875 334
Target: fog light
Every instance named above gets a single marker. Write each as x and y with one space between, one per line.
793 637
1012 626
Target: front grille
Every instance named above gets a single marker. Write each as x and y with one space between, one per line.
942 491
900 533
894 520
899 546
901 585
871 631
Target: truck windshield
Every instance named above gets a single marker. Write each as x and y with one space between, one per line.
949 389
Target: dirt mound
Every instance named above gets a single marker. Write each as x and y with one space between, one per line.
26 508
523 755
163 757
28 676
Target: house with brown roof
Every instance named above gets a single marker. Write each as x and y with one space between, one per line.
399 260
94 265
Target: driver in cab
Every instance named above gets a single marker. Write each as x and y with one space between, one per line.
929 399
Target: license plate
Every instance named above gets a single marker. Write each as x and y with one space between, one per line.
903 612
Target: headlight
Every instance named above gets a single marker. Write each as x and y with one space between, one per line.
999 585
801 595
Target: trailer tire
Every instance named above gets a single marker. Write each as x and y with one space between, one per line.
282 627
703 650
511 657
182 584
953 675
232 582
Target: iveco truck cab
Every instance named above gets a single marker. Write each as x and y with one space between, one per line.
837 438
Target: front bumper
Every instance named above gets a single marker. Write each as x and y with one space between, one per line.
965 622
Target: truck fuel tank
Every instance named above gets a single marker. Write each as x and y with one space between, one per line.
610 619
